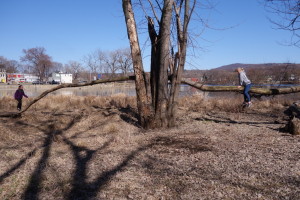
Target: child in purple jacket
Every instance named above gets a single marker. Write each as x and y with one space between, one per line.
19 95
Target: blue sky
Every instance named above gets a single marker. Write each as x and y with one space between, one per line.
71 29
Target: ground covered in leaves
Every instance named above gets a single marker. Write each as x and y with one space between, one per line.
99 152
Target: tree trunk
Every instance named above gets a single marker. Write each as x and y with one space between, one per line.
163 96
154 73
144 106
153 111
254 90
161 116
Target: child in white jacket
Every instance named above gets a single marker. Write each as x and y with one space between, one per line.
244 81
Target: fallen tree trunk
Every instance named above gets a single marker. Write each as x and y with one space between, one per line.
202 87
67 85
254 90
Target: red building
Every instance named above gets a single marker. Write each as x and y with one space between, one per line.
15 77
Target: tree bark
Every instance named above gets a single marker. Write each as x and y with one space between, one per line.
144 106
154 73
161 117
180 58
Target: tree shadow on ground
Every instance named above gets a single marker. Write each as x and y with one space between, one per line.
249 123
82 189
129 115
18 165
267 184
229 121
34 186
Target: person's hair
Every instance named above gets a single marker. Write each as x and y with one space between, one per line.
20 86
239 69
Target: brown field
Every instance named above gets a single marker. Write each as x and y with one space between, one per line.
68 147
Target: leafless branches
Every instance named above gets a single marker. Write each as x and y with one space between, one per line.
289 13
10 66
38 60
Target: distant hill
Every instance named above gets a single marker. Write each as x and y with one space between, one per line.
265 66
271 73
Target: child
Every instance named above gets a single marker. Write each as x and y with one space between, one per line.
244 81
19 95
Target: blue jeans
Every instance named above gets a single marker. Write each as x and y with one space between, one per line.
247 97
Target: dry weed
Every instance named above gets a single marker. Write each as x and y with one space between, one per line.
193 103
111 128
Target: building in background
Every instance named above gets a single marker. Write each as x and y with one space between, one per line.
29 78
15 78
61 77
2 76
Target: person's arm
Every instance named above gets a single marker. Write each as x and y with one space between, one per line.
24 94
241 78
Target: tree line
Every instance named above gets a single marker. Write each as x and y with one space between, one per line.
273 73
36 61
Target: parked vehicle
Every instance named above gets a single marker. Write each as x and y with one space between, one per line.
37 82
53 82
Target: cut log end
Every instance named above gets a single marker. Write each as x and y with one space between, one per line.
294 126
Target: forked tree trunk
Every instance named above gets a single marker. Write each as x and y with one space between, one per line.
162 96
179 59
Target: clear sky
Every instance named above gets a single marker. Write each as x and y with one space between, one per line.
71 29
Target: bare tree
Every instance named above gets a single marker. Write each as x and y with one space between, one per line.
10 66
125 61
38 60
117 61
289 13
57 67
75 68
94 62
156 96
111 62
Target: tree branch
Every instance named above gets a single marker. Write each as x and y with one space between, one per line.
254 90
199 86
153 10
45 93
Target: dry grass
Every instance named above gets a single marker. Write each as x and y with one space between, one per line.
198 103
91 148
194 103
60 103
